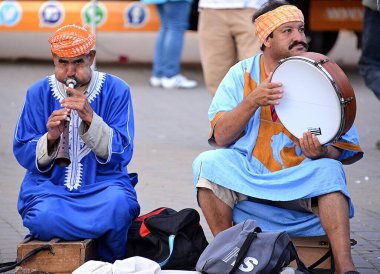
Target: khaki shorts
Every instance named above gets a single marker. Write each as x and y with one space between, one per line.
231 198
225 36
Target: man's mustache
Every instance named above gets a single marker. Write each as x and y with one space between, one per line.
295 43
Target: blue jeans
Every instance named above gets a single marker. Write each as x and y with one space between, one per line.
369 63
174 17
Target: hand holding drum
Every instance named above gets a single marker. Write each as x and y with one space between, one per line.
317 98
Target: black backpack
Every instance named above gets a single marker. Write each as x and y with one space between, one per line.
173 239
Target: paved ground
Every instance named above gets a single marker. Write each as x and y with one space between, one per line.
171 130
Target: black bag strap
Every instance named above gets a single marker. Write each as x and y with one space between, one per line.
244 249
285 258
327 255
300 264
4 267
322 259
290 254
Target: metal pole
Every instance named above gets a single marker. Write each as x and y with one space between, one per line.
93 26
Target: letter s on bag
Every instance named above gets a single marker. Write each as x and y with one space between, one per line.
248 264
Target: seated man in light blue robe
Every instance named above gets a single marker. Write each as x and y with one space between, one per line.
93 196
258 159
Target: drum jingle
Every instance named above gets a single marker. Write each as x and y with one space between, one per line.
318 97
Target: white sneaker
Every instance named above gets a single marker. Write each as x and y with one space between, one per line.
178 81
155 81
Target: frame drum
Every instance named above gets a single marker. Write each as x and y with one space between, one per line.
318 97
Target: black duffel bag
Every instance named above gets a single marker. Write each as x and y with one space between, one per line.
174 240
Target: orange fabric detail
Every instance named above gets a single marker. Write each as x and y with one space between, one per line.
268 22
213 123
352 147
263 150
71 41
263 73
353 159
347 146
249 84
216 118
289 157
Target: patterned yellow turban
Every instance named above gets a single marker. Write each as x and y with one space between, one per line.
268 22
71 41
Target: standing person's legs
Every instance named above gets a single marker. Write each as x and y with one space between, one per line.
243 29
177 21
158 61
369 63
333 212
216 45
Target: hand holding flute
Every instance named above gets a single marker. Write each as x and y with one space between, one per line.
63 155
78 101
57 120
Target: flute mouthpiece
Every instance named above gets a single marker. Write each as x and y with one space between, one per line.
71 82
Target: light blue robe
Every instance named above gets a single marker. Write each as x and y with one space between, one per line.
237 169
92 197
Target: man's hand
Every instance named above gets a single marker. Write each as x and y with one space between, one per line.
266 94
232 123
79 102
311 147
56 124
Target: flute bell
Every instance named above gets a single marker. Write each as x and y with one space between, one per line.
63 155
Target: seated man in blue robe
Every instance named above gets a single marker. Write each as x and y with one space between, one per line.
258 159
93 196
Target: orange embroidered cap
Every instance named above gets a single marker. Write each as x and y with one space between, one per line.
71 41
268 22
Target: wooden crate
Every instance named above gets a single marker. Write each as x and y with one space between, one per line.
66 257
311 249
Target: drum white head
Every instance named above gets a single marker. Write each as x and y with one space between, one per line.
310 101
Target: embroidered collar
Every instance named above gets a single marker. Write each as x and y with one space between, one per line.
94 87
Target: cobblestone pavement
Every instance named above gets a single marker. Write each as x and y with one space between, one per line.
171 130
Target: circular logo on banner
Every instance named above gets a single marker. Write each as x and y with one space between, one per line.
100 14
136 15
10 13
51 14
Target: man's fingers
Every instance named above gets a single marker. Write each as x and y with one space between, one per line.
305 141
302 142
271 86
59 112
54 123
316 142
56 118
276 93
73 92
309 139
